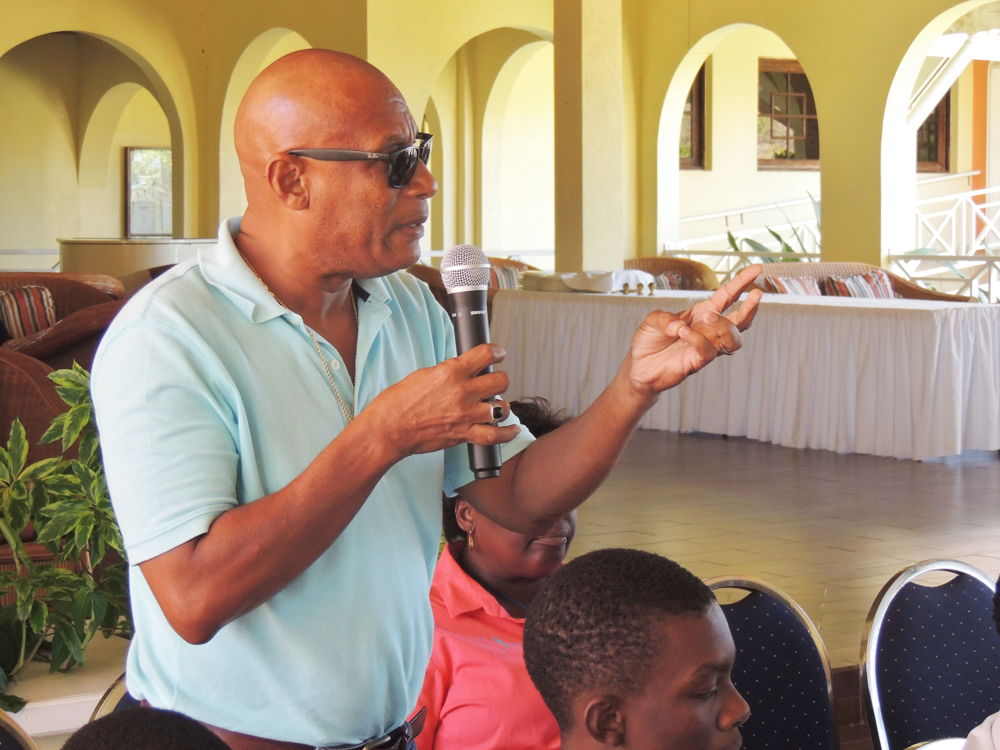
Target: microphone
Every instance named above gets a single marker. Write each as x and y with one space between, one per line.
465 272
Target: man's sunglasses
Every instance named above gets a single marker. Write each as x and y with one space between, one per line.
402 163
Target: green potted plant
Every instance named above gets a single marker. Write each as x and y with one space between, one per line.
80 589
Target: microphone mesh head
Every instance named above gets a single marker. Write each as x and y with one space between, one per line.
465 267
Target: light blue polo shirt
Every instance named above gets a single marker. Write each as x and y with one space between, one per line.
209 394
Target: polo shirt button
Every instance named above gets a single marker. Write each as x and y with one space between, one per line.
335 365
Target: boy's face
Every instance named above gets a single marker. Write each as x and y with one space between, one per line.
689 701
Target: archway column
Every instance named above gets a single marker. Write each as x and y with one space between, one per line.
857 193
590 211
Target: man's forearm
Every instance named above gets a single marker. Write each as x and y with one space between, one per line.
560 470
253 551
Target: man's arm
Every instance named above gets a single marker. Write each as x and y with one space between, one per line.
253 551
560 470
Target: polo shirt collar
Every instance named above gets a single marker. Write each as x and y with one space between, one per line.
460 593
225 269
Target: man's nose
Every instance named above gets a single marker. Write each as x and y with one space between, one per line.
423 181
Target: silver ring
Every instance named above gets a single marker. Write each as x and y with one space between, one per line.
496 414
723 350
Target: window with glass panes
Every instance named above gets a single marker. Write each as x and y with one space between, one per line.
692 145
787 125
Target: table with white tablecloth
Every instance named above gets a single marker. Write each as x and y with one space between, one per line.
906 378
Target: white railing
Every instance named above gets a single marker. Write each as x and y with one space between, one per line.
960 223
727 262
976 276
958 236
769 227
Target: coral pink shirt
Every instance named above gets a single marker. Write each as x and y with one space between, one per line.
477 691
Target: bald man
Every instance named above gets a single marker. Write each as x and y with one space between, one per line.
279 418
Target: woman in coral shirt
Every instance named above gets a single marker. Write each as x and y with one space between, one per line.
477 691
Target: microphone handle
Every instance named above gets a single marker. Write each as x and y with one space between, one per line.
472 328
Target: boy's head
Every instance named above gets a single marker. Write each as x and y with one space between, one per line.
629 649
144 728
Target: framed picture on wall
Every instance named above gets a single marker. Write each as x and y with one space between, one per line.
148 192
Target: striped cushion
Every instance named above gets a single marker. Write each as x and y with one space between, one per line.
873 284
807 285
669 280
508 277
26 309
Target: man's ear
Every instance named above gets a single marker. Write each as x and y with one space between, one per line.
288 183
605 720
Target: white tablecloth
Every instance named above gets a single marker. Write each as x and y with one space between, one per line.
905 378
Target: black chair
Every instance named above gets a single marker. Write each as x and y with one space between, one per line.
782 669
12 736
115 698
930 659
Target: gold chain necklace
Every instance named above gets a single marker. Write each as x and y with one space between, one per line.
347 411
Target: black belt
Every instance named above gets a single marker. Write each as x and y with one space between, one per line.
397 739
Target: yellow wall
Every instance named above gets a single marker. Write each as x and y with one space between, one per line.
37 146
852 51
732 178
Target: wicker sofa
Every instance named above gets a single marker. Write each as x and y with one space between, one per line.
821 270
694 275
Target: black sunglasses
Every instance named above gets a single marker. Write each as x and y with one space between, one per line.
402 163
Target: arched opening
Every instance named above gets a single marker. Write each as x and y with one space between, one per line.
490 104
127 116
741 185
74 102
518 161
944 231
260 53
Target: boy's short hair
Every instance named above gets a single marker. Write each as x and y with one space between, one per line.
144 728
591 627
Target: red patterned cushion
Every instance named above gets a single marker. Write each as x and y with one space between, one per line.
807 285
26 309
872 284
508 277
669 280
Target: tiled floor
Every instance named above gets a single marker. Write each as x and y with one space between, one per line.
828 529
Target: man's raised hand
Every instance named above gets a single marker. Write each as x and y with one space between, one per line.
667 348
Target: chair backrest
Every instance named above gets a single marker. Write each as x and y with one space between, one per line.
694 275
74 338
930 657
115 698
69 292
782 669
27 394
12 736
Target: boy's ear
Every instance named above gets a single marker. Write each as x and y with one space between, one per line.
605 720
